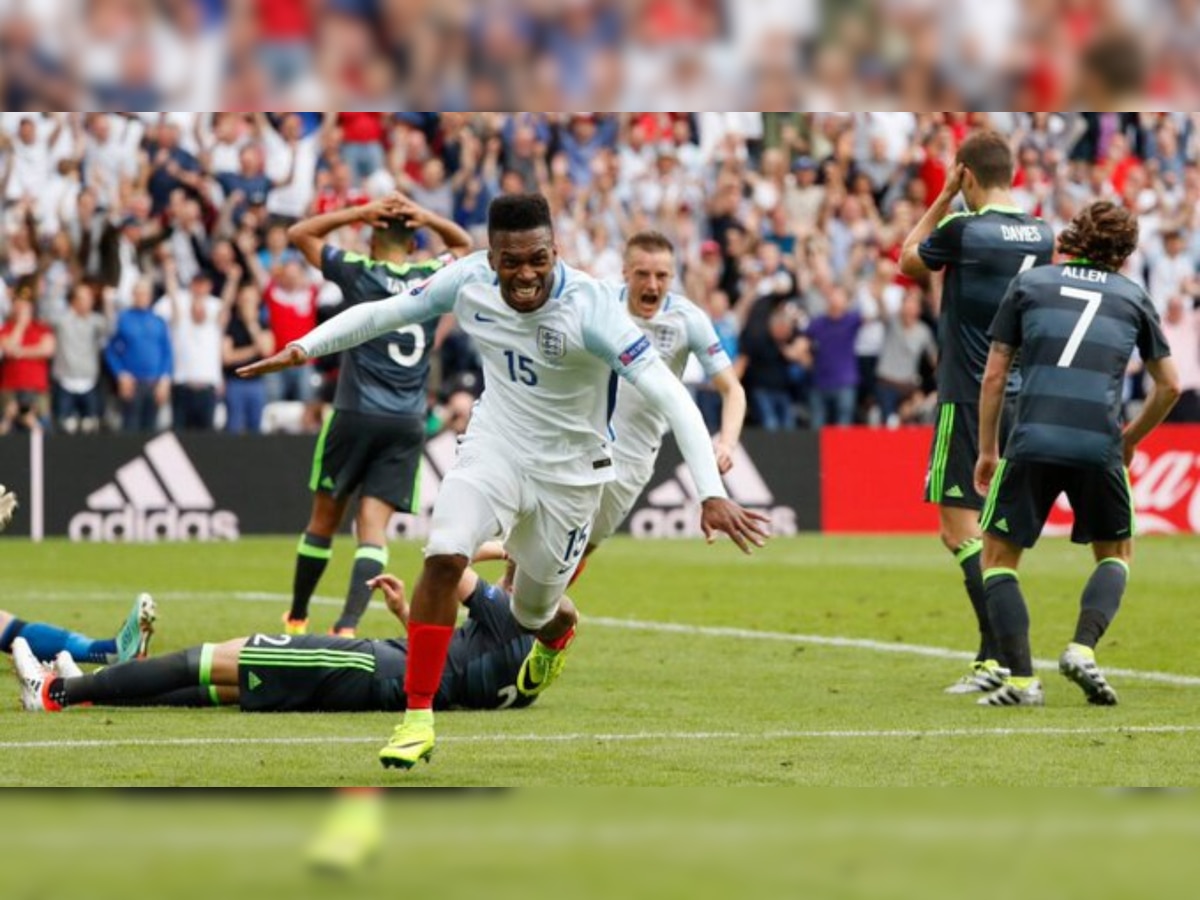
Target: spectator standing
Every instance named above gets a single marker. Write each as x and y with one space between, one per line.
171 167
197 323
249 188
139 357
907 342
835 366
772 361
362 143
1181 326
81 333
291 301
26 347
246 341
292 162
1172 272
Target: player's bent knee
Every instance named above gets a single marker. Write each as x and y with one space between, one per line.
534 604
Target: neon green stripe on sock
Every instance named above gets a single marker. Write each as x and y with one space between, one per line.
314 481
968 550
213 695
1001 573
989 506
376 554
207 652
304 548
1132 506
1114 561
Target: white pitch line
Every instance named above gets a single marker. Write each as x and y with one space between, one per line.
634 737
864 644
818 640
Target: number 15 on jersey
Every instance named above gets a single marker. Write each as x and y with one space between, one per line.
520 369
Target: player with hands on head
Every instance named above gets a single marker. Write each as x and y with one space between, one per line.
980 251
372 444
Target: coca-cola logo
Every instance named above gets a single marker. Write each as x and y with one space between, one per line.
1166 494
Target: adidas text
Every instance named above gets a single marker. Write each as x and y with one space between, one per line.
158 496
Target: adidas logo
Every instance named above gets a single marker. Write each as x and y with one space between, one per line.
673 510
253 681
1002 525
157 497
955 493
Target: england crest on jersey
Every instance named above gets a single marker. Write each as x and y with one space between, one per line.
665 339
553 344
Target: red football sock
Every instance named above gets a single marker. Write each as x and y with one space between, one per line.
562 643
427 649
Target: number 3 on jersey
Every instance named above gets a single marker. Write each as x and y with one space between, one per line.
1093 299
520 369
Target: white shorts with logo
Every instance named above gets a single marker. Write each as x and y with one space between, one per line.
493 493
621 495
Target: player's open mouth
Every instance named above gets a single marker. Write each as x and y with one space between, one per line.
527 293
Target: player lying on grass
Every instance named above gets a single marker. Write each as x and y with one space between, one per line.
47 641
306 673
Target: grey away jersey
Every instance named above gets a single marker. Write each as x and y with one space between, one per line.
1076 327
388 375
981 252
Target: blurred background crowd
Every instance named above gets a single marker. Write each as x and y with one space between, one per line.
143 256
607 54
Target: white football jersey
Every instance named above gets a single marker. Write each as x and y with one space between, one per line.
550 376
678 329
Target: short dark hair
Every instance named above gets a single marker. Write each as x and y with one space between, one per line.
395 231
519 212
989 158
1103 233
650 242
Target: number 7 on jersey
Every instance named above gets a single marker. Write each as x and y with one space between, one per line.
1093 299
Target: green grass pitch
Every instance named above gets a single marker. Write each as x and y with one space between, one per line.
819 661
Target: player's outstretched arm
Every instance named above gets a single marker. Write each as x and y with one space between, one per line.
663 391
365 321
287 358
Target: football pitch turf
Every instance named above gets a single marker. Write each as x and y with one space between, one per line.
819 661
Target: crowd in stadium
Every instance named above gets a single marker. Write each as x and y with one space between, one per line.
142 253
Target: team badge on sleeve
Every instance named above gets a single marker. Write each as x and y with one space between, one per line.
635 350
715 349
553 344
